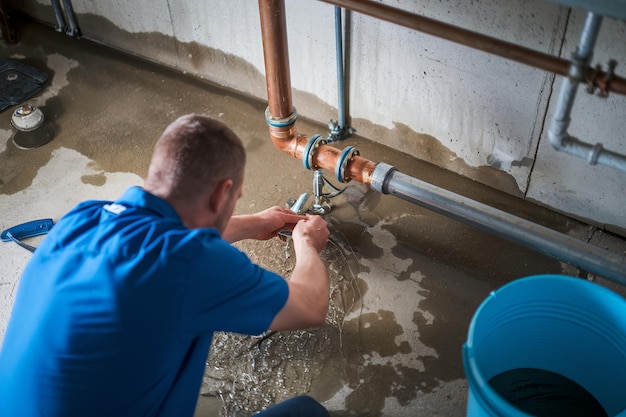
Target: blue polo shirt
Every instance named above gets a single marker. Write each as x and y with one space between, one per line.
115 312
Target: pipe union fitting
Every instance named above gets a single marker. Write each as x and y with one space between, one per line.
276 122
311 146
340 169
380 176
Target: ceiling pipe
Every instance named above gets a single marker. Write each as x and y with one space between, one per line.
348 165
575 71
604 81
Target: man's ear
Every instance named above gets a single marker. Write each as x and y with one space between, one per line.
219 195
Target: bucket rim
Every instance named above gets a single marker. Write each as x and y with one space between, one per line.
486 396
479 387
525 281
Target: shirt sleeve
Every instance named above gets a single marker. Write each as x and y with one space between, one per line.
228 292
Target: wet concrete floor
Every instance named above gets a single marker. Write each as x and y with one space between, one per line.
405 281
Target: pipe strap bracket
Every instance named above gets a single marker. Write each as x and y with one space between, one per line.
340 169
609 76
307 156
276 122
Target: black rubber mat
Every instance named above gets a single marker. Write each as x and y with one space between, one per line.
18 82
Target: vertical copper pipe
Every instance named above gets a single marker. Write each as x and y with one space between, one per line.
276 54
285 137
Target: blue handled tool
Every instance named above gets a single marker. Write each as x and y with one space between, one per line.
26 230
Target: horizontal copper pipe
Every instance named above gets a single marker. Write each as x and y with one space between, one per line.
326 157
479 41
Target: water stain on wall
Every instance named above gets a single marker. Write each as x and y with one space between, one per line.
428 148
187 58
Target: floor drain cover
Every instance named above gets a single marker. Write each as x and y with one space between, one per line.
18 82
27 118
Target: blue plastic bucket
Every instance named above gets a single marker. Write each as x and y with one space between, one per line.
560 324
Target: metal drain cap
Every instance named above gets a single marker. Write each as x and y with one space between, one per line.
27 118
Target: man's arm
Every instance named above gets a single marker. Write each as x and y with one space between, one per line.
262 226
309 291
307 304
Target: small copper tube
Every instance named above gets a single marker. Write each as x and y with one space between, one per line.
605 81
280 114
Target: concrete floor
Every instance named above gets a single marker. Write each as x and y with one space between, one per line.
405 281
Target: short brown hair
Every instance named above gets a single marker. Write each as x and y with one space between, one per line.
193 154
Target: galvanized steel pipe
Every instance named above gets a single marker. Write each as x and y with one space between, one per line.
58 15
558 136
72 24
536 237
341 95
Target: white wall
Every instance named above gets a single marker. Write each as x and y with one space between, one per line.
471 112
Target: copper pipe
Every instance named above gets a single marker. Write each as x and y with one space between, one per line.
293 144
285 137
276 54
479 41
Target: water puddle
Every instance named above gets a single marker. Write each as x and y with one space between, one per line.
367 352
251 373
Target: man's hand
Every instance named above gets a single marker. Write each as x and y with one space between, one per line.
312 230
